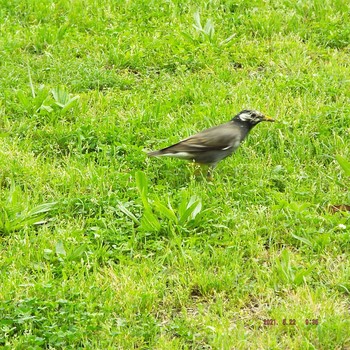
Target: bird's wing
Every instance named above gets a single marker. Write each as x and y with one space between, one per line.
219 137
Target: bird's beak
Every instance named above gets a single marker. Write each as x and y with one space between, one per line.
268 119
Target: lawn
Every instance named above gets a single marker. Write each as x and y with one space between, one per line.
104 248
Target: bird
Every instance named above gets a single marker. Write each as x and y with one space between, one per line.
212 145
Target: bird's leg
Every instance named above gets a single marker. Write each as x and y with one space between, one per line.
210 172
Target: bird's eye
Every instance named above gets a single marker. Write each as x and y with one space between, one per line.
253 115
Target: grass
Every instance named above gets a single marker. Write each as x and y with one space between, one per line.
102 248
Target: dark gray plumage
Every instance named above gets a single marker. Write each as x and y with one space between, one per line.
214 144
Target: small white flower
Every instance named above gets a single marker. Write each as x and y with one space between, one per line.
342 226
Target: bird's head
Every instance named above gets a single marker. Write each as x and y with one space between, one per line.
252 117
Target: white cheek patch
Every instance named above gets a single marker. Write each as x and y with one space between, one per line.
245 117
248 117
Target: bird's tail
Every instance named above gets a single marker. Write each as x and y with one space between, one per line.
154 154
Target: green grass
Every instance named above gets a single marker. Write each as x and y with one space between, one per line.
102 248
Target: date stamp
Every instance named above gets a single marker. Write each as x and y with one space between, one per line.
289 322
312 322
